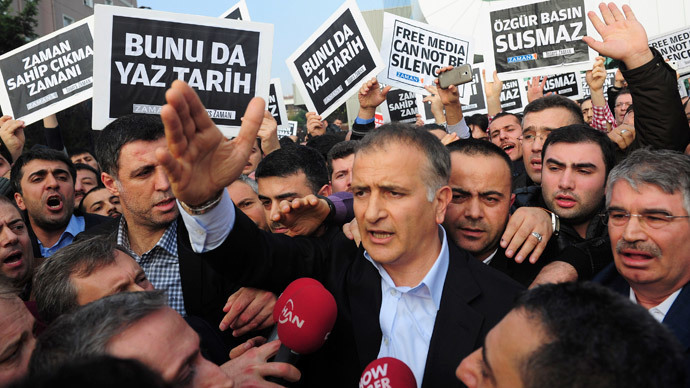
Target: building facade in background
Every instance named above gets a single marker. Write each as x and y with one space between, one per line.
55 14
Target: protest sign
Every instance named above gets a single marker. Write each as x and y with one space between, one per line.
513 97
288 130
333 63
684 85
414 52
566 85
477 99
545 36
139 53
425 110
674 46
401 106
275 103
238 11
49 74
610 78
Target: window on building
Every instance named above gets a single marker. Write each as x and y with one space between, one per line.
88 3
66 20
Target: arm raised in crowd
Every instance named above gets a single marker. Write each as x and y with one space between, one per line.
492 91
436 104
199 161
602 116
659 117
268 133
12 135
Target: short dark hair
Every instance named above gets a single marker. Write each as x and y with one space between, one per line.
583 133
597 338
556 101
291 160
54 292
84 166
481 147
325 142
339 151
438 167
517 116
433 126
480 120
79 151
125 129
38 153
98 371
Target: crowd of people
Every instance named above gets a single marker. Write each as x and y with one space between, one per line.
539 249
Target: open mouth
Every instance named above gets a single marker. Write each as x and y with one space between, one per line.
634 257
166 204
536 163
507 148
13 260
54 202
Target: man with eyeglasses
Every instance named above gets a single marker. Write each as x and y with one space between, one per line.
648 207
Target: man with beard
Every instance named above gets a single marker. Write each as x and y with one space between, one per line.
43 181
648 214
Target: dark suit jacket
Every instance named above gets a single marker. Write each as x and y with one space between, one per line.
205 290
475 298
678 317
90 221
523 273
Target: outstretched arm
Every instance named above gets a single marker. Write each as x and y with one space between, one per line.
199 161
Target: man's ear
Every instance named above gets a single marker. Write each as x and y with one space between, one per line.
20 201
326 190
443 197
512 199
110 183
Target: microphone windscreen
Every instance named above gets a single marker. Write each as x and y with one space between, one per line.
292 287
387 372
307 318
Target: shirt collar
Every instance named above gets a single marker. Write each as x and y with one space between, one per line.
167 242
74 227
660 310
487 261
434 279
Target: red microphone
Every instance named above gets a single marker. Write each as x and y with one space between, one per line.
387 372
289 290
306 318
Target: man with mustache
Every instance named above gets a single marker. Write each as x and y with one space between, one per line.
43 180
648 214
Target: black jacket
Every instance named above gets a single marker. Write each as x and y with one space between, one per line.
475 298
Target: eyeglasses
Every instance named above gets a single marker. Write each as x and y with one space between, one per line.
655 220
530 137
623 104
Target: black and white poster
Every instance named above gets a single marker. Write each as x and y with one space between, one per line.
238 11
415 51
545 35
610 78
674 46
288 130
332 64
276 105
566 85
401 106
477 98
513 98
49 74
141 52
